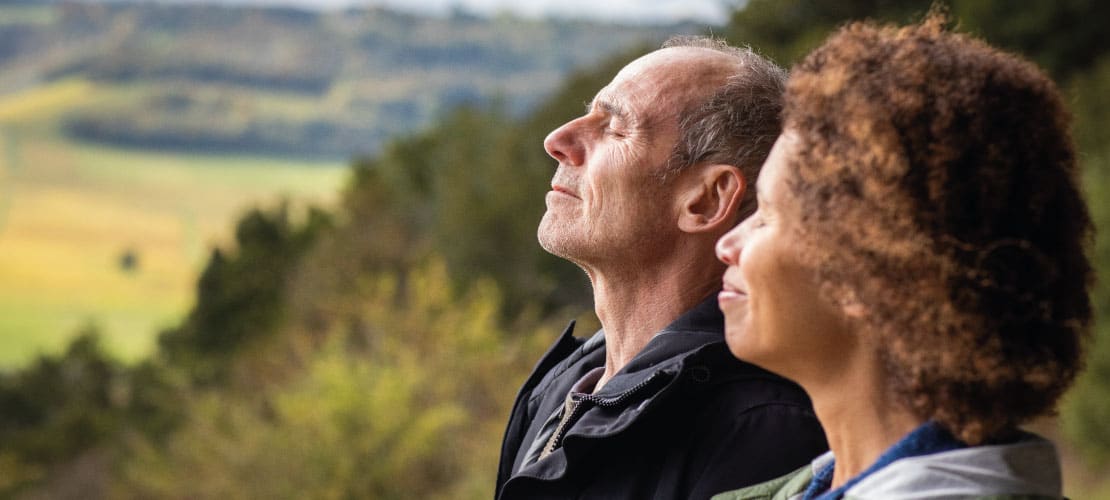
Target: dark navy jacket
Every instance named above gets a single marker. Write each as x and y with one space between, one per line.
683 420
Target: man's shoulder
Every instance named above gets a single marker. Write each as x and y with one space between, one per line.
566 361
741 383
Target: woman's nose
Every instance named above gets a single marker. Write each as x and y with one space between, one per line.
728 247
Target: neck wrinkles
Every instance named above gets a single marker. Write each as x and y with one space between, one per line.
633 308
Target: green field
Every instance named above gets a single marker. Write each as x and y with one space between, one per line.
70 212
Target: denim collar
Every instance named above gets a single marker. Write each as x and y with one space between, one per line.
927 439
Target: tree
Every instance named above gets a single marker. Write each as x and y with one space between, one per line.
241 295
59 408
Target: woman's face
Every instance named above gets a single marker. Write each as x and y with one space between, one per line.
774 314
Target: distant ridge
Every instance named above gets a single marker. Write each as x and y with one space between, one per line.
288 81
629 12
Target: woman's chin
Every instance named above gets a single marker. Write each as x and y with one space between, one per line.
736 333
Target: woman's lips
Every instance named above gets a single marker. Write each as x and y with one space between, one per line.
730 295
730 292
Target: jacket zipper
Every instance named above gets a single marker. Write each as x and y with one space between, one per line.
581 408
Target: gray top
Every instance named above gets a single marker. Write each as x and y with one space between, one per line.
1027 467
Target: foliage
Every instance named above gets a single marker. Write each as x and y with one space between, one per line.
1058 35
402 406
468 189
1088 407
240 296
785 30
57 408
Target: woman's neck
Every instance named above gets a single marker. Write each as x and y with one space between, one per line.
860 418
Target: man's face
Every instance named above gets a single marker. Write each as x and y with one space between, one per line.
607 200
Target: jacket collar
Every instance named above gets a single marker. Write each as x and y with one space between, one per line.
638 387
704 324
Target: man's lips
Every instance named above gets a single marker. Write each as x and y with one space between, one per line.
561 189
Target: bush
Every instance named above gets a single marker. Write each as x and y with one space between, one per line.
407 403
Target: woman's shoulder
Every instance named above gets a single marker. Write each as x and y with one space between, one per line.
784 488
1026 468
1023 470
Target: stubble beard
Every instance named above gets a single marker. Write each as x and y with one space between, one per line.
559 238
589 246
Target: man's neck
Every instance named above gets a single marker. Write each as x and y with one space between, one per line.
634 306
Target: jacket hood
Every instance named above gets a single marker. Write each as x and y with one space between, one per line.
1027 467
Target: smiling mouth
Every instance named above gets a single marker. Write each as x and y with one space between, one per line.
731 292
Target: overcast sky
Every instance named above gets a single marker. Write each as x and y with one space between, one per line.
713 12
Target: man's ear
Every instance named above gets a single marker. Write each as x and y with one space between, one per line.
710 198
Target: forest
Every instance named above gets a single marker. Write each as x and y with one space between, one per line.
372 349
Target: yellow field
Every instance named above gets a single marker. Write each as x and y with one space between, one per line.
43 102
70 212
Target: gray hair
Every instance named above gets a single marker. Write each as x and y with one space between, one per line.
739 121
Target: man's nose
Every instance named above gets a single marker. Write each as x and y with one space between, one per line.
565 145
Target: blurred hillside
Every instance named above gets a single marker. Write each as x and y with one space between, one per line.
371 348
205 78
132 135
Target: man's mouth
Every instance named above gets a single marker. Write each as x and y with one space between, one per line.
564 190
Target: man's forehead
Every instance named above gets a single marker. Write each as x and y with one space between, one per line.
639 89
684 63
651 70
671 75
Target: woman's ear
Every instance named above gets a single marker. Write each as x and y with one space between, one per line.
710 198
853 307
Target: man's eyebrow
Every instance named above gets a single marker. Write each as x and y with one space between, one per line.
610 108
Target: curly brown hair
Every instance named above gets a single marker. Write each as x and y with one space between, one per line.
938 183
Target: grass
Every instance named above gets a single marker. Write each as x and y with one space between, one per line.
69 212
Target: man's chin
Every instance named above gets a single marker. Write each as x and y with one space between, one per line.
554 245
558 243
